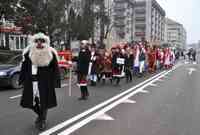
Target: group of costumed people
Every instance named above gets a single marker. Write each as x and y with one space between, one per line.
121 61
40 73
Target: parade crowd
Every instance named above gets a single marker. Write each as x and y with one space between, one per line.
97 65
40 71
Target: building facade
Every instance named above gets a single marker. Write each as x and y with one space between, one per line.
123 20
11 37
149 21
175 34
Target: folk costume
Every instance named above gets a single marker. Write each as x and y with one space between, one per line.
40 76
82 69
136 59
107 67
167 56
142 58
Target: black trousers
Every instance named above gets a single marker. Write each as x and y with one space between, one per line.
128 74
41 112
84 91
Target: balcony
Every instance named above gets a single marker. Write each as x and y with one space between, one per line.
140 16
119 24
140 11
119 17
140 26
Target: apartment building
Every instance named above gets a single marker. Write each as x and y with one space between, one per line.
149 21
175 34
123 20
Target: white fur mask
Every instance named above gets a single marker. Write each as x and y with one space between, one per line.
40 57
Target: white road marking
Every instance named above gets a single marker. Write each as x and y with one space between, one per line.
186 62
153 85
194 63
83 114
191 70
104 117
17 96
166 77
129 101
160 80
144 91
105 109
64 85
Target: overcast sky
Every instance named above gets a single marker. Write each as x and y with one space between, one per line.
186 12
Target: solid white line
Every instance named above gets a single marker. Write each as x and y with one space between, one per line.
105 109
17 96
83 114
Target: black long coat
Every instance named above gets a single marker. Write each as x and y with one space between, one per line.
48 79
83 62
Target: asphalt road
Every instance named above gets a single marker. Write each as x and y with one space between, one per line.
169 108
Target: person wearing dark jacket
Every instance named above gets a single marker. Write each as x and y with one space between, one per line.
40 76
128 65
117 65
82 69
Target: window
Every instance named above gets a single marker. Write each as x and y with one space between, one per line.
17 43
21 43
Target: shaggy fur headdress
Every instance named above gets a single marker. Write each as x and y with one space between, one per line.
31 48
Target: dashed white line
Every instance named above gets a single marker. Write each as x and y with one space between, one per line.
129 101
17 96
144 91
153 85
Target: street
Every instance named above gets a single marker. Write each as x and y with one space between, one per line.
163 103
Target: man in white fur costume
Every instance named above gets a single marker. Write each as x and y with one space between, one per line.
40 76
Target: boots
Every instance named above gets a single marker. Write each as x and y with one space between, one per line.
42 120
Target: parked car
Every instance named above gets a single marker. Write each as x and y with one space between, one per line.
10 69
10 65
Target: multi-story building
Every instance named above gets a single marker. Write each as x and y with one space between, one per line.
11 36
123 20
149 21
175 34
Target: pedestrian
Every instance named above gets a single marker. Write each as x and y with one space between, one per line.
117 65
107 67
128 64
152 59
167 56
142 58
82 69
194 55
92 71
136 62
39 76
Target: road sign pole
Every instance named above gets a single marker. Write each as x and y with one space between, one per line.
70 81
